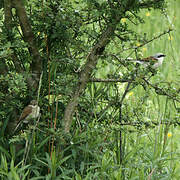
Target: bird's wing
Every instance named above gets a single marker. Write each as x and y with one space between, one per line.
148 59
26 111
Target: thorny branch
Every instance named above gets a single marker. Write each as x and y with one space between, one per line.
161 91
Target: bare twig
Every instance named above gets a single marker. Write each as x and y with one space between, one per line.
147 42
110 80
148 124
29 142
162 91
149 177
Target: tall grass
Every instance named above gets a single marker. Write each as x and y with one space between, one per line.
163 140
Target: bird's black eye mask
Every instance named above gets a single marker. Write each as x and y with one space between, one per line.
162 55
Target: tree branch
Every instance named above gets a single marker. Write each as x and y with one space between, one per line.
36 64
110 80
161 91
85 74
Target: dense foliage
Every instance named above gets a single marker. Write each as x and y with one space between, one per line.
102 116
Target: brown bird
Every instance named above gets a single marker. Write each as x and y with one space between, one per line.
30 112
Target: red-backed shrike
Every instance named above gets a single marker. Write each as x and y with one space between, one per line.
30 112
155 60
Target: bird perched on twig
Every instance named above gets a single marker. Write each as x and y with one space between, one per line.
30 112
155 60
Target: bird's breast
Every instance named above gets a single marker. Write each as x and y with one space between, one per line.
35 112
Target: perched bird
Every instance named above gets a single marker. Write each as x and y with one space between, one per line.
155 60
30 112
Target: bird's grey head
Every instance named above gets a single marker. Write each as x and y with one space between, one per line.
33 102
159 55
